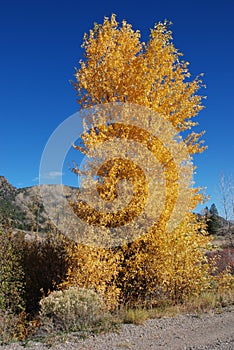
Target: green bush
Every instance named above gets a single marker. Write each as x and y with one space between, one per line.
12 292
75 309
11 275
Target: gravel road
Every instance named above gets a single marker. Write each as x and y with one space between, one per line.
187 332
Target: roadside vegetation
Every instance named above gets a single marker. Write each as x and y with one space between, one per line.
37 304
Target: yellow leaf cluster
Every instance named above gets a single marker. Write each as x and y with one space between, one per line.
94 268
165 265
118 67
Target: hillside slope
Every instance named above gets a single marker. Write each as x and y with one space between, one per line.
23 208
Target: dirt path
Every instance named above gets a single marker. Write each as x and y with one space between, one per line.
187 332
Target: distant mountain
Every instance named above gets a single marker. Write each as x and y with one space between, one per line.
23 208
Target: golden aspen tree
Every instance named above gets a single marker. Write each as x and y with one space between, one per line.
120 69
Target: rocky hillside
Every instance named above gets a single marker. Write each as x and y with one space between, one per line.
23 208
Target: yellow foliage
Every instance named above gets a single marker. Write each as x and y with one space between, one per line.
118 67
224 281
167 265
94 268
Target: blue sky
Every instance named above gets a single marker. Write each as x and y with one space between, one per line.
40 46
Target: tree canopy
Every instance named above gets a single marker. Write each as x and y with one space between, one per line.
119 68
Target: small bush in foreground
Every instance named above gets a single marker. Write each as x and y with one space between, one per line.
74 310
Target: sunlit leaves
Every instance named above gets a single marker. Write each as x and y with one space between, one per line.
118 67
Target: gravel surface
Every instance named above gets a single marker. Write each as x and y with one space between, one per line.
184 332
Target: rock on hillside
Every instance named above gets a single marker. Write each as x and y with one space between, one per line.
7 191
23 208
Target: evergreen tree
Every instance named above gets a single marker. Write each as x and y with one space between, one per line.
214 210
213 224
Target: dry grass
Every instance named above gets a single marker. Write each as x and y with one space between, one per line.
136 316
207 302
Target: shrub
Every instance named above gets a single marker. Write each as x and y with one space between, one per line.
222 259
11 275
74 309
13 327
12 305
44 264
94 268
